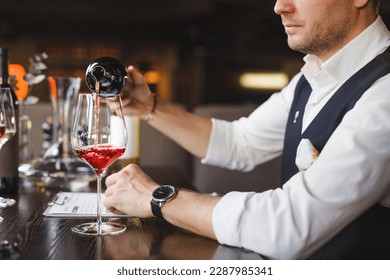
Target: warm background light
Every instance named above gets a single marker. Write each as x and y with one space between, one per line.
153 77
53 86
18 71
264 80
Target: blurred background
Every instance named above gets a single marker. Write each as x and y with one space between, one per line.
217 58
194 51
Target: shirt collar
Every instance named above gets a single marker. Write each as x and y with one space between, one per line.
353 56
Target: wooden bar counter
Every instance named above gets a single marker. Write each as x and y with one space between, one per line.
42 238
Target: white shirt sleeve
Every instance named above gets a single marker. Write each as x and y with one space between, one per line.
247 142
351 174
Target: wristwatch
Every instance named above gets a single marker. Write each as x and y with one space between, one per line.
161 195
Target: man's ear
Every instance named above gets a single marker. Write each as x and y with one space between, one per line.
360 3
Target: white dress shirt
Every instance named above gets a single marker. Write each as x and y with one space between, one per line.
351 174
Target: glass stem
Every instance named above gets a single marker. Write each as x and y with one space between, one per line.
99 206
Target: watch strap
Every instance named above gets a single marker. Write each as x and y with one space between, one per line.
156 210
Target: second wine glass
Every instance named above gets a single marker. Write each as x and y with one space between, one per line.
99 137
7 122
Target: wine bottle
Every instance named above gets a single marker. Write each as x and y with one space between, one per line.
108 73
9 153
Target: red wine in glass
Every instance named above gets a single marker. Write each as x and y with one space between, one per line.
2 130
100 156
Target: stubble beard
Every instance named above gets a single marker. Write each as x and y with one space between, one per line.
324 37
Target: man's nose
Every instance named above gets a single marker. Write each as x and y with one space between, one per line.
284 6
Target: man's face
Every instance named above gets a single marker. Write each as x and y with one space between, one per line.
316 27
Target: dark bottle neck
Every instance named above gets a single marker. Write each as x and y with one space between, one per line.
4 61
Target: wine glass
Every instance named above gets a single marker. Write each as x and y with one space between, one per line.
7 118
99 137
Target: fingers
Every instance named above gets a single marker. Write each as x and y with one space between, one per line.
127 174
113 197
110 207
135 77
129 191
114 210
130 76
111 180
135 95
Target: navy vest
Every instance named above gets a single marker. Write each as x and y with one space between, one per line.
358 240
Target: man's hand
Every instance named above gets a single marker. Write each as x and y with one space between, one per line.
137 100
130 191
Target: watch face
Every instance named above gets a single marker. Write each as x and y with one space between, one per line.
162 193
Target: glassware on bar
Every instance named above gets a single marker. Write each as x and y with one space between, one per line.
8 125
59 167
99 137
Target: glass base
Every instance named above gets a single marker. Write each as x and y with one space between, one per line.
108 228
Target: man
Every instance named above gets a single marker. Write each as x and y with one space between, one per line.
337 111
